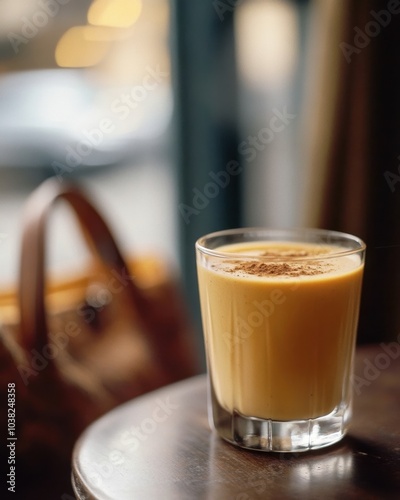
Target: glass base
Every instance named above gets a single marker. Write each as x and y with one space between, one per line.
280 436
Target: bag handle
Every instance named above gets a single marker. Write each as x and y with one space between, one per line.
34 328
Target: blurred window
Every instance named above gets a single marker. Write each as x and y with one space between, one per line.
85 94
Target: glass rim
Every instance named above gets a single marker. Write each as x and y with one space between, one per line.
200 243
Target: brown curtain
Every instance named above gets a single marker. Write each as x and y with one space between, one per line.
354 162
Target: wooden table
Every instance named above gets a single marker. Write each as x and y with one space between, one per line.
160 446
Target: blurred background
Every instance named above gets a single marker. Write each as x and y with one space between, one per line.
182 118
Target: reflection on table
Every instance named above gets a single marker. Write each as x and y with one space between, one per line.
161 446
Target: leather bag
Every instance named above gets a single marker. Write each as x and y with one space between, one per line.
75 348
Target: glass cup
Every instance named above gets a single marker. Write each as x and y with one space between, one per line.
280 311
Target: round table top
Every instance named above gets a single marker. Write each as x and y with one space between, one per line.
160 446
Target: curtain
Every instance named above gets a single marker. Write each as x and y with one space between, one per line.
352 148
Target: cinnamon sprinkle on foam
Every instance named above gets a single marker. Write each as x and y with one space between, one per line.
291 269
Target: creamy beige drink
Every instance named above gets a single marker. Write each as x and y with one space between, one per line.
280 323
